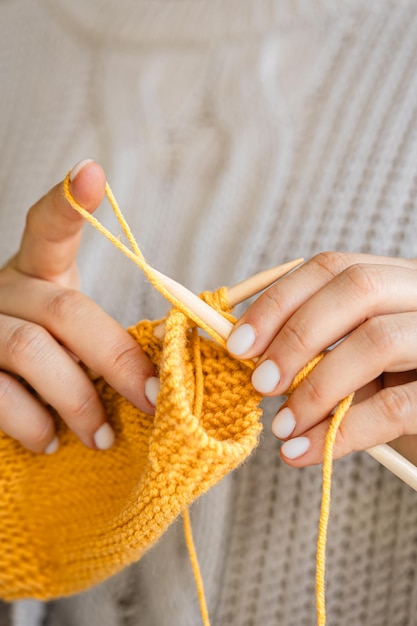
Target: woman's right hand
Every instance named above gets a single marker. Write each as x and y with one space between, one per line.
47 328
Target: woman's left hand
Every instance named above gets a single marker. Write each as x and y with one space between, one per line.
369 305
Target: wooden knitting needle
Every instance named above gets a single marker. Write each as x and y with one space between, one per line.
254 284
204 311
395 462
386 455
383 453
235 295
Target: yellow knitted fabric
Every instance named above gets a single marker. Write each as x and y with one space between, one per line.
72 519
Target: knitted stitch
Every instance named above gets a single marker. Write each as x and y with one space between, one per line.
74 518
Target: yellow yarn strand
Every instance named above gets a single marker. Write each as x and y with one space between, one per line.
135 254
192 553
330 440
137 257
188 532
198 373
325 508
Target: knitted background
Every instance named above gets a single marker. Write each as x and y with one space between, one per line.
236 135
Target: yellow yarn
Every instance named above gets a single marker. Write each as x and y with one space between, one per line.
221 302
196 568
135 254
189 540
74 518
338 416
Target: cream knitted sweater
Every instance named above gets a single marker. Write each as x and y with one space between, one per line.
236 134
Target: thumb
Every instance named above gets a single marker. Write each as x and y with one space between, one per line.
53 229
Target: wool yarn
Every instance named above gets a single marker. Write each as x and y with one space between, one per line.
74 518
220 302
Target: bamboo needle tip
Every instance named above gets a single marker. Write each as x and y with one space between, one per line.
253 285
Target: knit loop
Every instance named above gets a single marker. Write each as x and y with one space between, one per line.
218 300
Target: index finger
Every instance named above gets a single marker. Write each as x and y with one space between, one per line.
53 229
267 315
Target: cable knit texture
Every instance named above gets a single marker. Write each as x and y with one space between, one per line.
238 135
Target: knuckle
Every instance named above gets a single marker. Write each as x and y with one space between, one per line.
272 301
380 338
83 408
332 263
125 357
25 341
361 280
395 405
296 336
64 303
315 393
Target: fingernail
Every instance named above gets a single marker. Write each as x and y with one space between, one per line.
283 423
78 167
104 437
294 448
53 446
152 386
266 377
241 339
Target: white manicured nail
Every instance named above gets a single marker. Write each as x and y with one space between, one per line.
78 167
53 446
266 377
152 386
104 437
241 339
294 448
283 424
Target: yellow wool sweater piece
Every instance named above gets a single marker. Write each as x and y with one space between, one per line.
74 518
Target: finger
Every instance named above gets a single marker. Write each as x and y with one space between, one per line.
262 321
87 331
407 444
53 229
387 415
24 418
356 294
382 344
31 352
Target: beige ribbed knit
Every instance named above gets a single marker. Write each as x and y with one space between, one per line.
237 135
